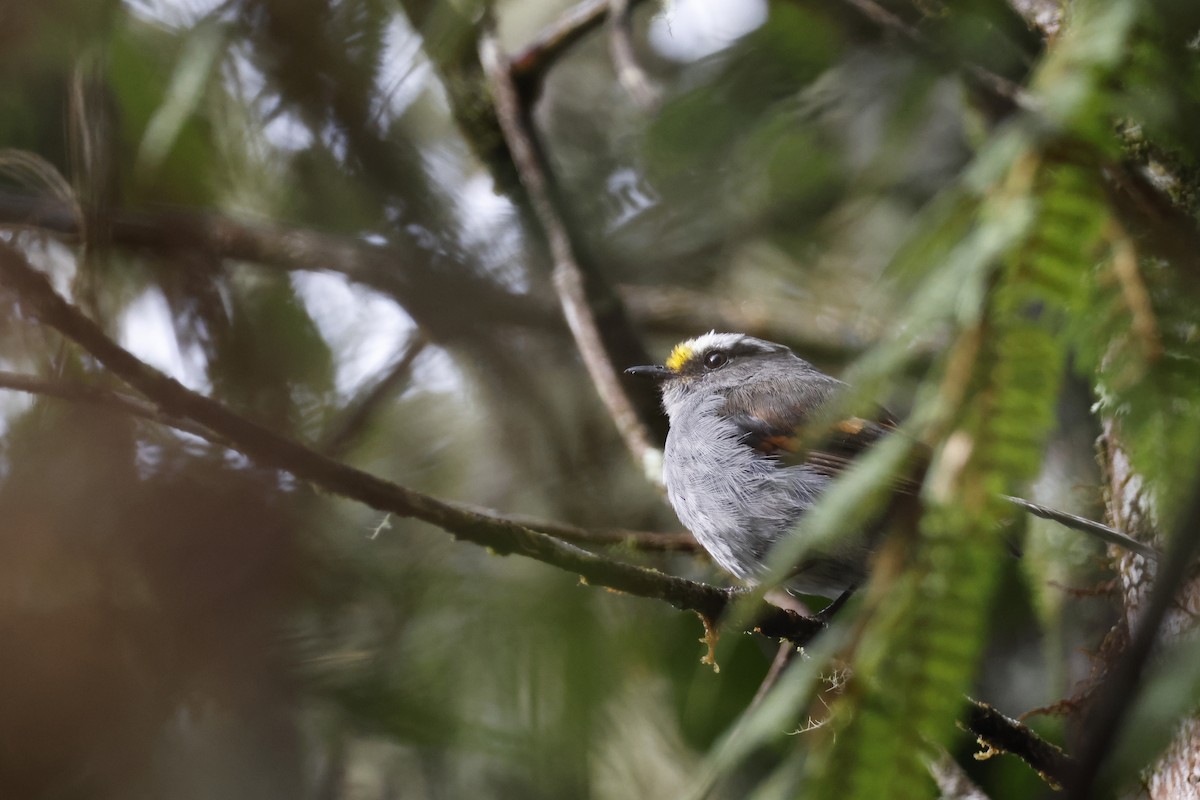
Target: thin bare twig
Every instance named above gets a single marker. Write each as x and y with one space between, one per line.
620 45
530 65
1075 522
568 276
347 429
278 452
642 541
783 657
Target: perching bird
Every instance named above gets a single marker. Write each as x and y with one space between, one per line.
741 470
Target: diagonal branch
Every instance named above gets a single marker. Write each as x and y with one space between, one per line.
421 288
568 276
272 450
641 541
164 231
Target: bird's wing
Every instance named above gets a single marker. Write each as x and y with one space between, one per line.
778 423
784 428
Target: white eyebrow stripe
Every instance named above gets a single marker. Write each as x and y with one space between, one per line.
714 341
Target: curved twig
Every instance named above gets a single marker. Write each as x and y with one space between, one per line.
529 66
568 277
620 45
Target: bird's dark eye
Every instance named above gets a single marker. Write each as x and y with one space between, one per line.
715 359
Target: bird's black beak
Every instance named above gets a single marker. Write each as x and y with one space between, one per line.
656 371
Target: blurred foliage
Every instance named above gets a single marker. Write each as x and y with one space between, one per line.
936 207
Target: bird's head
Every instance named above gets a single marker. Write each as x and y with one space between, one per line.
719 362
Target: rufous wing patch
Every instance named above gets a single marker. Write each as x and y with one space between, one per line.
772 445
851 426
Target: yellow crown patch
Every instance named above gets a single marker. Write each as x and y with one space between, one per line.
680 355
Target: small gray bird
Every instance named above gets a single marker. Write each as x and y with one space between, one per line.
738 407
741 470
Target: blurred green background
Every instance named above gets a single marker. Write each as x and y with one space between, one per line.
304 209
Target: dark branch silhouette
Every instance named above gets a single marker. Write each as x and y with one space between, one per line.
1009 736
273 450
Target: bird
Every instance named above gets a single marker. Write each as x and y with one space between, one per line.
748 454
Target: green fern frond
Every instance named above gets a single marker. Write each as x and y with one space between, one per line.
1138 336
919 654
